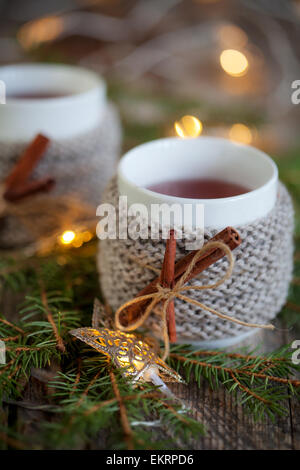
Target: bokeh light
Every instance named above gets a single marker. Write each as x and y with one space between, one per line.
234 62
188 126
36 32
240 133
87 236
78 242
67 237
230 35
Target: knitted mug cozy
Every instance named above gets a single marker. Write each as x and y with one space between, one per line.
255 292
81 167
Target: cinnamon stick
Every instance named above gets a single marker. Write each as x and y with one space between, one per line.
28 161
29 189
229 236
167 280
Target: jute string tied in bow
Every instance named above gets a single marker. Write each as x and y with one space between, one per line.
166 294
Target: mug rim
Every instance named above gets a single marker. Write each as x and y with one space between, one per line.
262 154
266 191
78 111
53 68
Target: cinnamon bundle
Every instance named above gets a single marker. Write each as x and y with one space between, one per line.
17 184
229 236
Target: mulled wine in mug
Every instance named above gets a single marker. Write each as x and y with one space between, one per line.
236 184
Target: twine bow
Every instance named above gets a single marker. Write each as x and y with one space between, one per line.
166 294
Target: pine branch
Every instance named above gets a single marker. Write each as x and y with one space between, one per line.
60 343
251 375
78 375
295 383
128 434
248 391
14 327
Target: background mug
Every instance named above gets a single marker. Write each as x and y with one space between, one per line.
68 105
61 101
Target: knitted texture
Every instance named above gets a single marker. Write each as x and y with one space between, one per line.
81 166
255 293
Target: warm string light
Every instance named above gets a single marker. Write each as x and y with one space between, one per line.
188 126
76 239
234 62
67 237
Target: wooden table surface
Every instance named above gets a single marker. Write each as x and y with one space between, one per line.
227 424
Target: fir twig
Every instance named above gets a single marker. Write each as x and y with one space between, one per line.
128 434
59 340
124 398
78 375
248 391
90 384
15 327
295 383
245 357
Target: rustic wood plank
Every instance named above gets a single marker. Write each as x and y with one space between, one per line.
228 425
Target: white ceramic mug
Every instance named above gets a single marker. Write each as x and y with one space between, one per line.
210 158
77 109
203 157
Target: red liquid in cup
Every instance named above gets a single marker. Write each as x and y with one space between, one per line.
200 188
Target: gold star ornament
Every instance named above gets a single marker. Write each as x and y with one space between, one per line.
132 354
